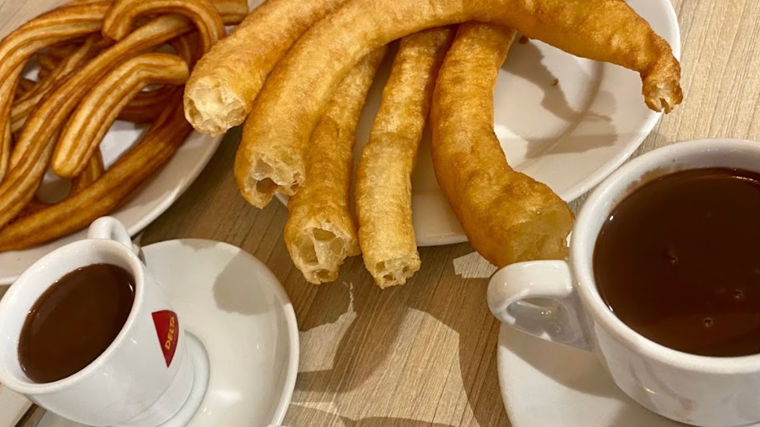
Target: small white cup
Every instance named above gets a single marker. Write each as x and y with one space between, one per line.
558 301
142 379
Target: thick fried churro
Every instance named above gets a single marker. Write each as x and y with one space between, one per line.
225 82
123 14
106 193
383 180
296 92
321 231
31 154
98 110
508 216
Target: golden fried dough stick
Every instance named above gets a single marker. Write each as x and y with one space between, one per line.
24 86
109 191
146 106
233 11
508 216
297 90
84 2
5 152
31 149
98 110
21 108
123 14
222 87
47 62
92 172
383 179
61 24
94 169
65 49
321 231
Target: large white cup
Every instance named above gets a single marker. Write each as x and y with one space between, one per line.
142 379
558 301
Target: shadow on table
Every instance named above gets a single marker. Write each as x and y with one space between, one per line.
378 318
310 416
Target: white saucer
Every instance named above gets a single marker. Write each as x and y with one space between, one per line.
236 307
550 385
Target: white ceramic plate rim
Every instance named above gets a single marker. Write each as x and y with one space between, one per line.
154 198
288 312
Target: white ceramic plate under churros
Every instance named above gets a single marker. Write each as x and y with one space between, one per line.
158 193
563 120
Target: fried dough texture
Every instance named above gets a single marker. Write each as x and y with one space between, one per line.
321 231
225 82
384 185
270 157
508 216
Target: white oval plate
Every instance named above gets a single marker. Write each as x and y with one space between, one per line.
569 137
236 307
163 189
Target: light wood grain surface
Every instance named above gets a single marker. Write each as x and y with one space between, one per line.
425 354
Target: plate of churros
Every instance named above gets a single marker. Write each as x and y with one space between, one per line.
563 120
527 105
91 115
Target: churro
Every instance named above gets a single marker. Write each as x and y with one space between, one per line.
23 87
65 49
58 25
99 108
146 105
383 180
47 62
123 14
109 191
270 156
321 231
92 172
22 107
233 12
508 216
29 155
225 82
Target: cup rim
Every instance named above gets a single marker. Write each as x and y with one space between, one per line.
585 283
31 388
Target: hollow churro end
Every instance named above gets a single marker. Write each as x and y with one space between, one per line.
320 250
259 178
534 228
662 96
394 271
661 83
212 107
543 237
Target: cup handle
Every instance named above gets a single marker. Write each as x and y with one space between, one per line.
109 228
538 298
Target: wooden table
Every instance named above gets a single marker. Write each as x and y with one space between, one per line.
424 354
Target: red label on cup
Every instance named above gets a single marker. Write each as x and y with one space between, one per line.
167 327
